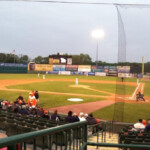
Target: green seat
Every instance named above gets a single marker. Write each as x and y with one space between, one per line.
23 129
11 129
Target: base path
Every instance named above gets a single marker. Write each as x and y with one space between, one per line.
85 107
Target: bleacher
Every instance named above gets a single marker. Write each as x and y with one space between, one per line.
16 124
127 136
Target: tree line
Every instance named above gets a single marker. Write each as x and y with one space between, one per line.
82 59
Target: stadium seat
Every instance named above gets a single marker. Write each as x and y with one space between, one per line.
11 129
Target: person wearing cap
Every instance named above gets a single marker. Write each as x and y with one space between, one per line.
81 116
31 100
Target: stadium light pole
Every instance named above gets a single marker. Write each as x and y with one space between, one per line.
97 34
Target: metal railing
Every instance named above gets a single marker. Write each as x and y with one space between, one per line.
69 136
138 146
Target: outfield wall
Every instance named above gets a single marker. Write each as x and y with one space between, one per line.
13 68
88 70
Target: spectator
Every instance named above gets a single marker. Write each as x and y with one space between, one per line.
81 117
55 116
36 94
69 118
91 120
139 125
147 128
31 100
40 112
144 122
75 117
85 115
23 110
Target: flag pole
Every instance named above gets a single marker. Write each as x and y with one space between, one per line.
14 56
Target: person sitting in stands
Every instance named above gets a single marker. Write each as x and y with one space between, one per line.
55 116
139 125
40 112
91 120
20 100
23 110
81 116
32 100
147 128
69 118
144 122
75 117
45 114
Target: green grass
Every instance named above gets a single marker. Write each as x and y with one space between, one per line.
132 112
46 100
65 87
34 76
147 89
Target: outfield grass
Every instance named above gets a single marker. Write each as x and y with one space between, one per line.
65 88
132 112
46 100
48 76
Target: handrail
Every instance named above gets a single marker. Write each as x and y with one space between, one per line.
22 137
119 145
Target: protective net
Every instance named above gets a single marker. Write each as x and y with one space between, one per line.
133 37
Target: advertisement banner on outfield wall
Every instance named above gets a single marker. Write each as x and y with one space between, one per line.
91 73
127 75
112 69
100 67
77 73
106 70
51 72
64 73
97 70
123 69
43 67
58 67
100 74
106 67
93 67
84 68
97 67
71 67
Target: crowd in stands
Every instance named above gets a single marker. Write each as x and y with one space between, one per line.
32 109
141 125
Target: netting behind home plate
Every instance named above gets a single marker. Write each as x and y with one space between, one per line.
133 43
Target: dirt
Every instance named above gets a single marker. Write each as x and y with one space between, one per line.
86 107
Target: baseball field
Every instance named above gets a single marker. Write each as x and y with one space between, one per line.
99 94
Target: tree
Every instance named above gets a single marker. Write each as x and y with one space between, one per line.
41 60
82 59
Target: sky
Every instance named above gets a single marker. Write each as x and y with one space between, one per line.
36 28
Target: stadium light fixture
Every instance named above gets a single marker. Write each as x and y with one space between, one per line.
97 34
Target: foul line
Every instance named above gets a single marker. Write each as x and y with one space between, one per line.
133 95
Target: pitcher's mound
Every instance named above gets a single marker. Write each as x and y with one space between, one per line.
79 86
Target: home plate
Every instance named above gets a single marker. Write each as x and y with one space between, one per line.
75 99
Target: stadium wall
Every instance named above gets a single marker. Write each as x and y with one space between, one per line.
120 71
13 68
